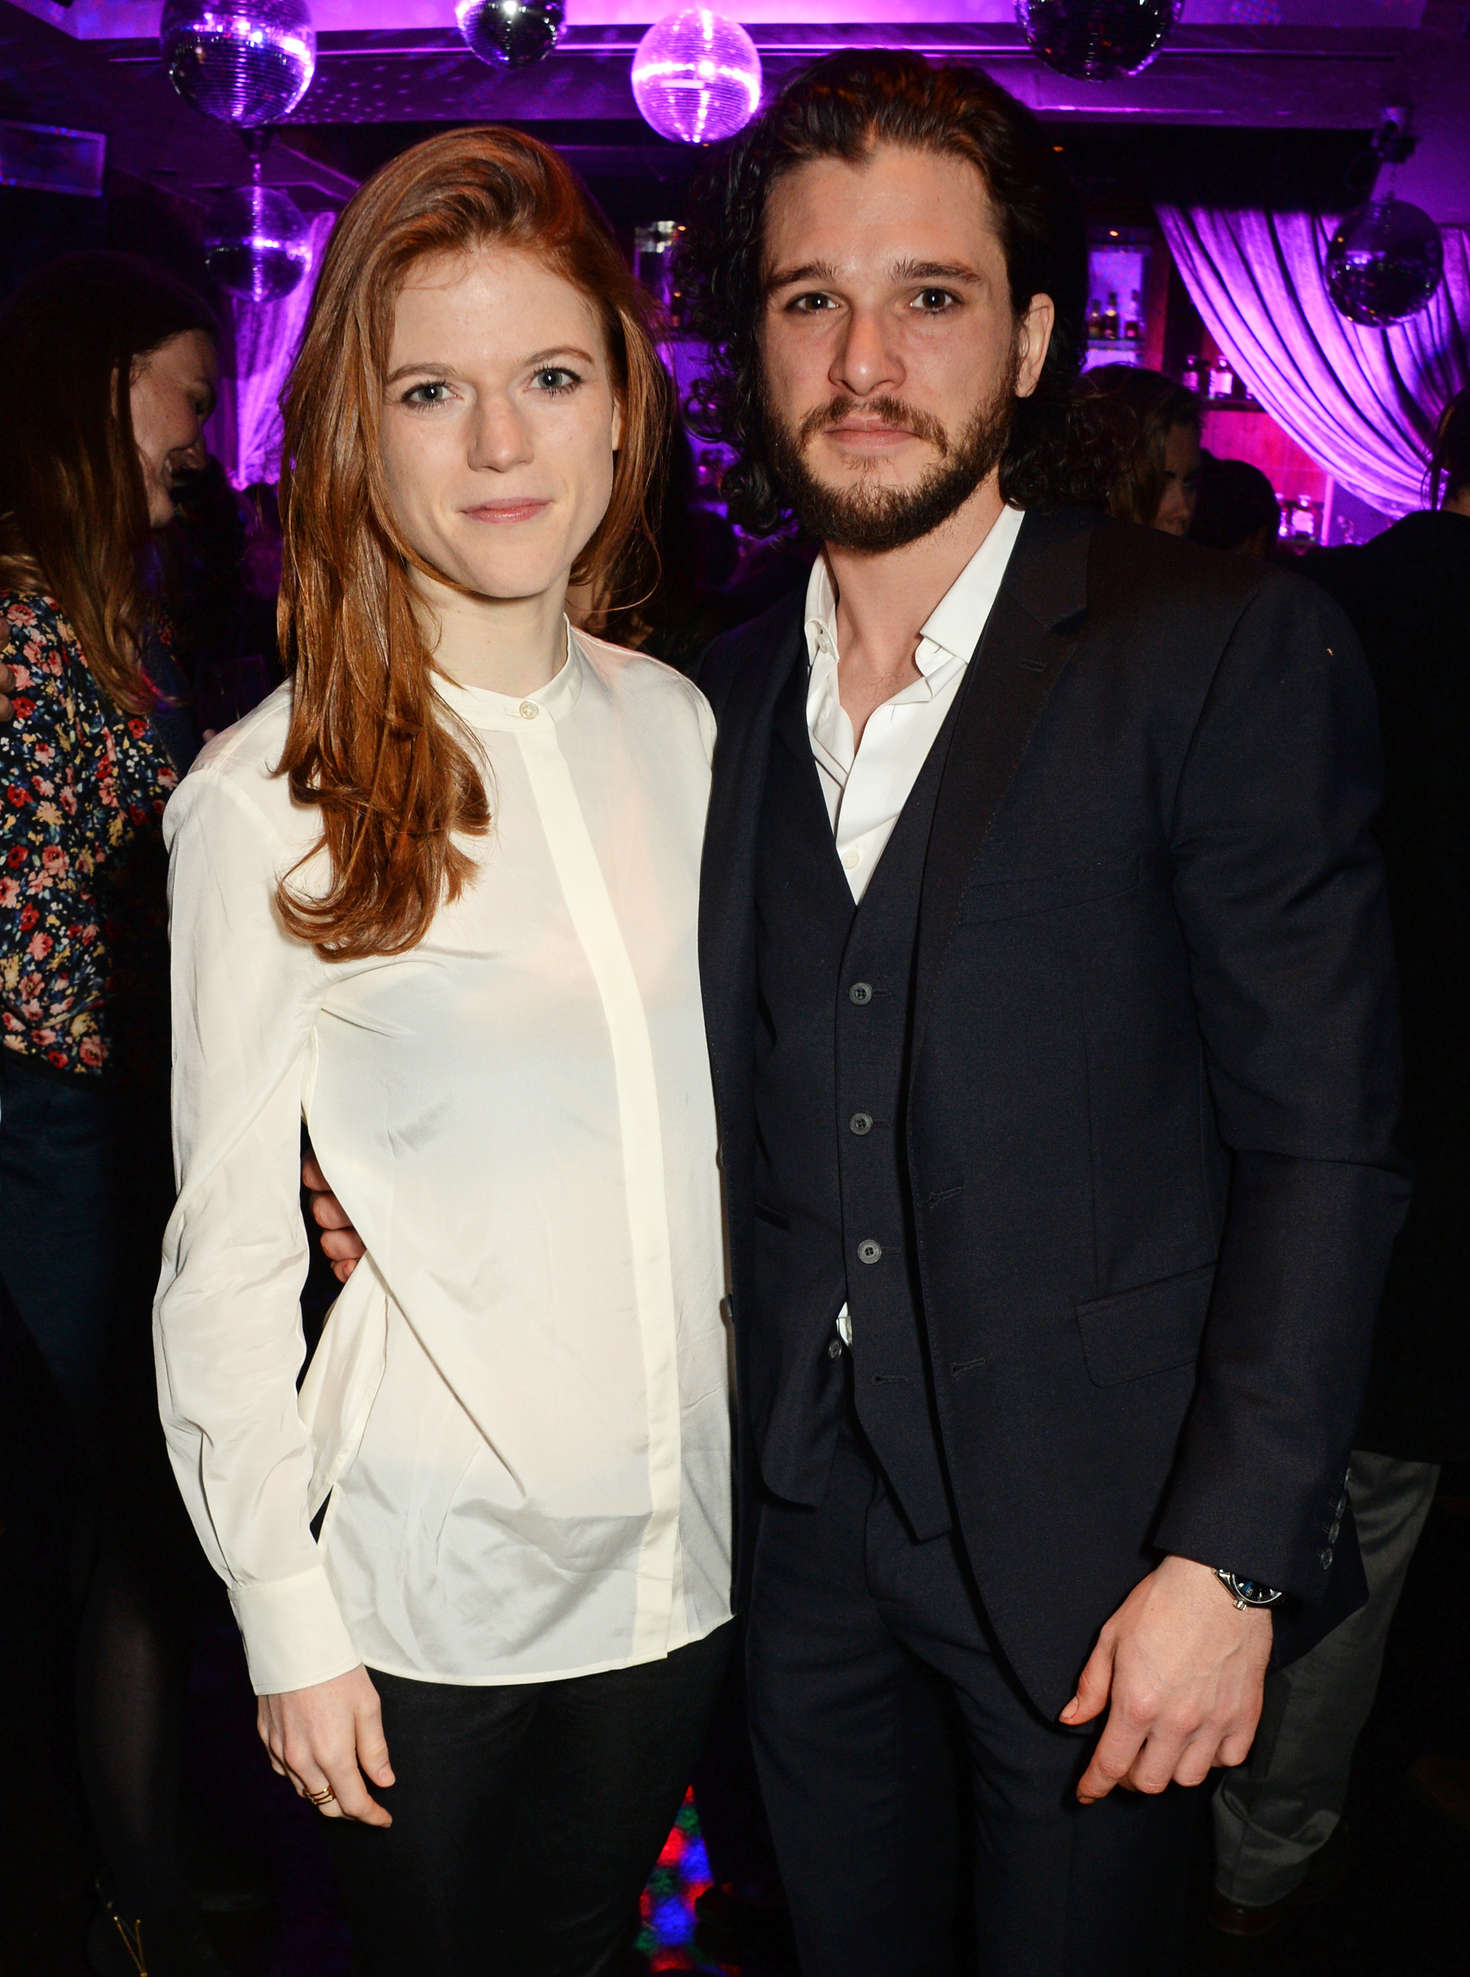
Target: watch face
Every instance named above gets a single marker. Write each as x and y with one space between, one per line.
1254 1593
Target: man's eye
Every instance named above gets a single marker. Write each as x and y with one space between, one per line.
934 301
809 305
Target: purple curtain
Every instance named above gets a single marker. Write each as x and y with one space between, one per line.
1363 402
245 430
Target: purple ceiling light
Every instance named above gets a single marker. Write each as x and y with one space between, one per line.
256 243
511 34
1095 40
696 77
1384 262
244 62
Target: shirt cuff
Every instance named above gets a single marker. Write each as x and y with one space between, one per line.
293 1631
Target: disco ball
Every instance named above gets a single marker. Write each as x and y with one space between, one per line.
256 244
1094 40
1384 262
696 77
510 33
246 62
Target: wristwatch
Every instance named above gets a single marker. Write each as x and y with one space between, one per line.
1246 1592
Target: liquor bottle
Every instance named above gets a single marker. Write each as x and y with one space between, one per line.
1110 318
1190 378
1304 519
1094 320
1133 330
1222 379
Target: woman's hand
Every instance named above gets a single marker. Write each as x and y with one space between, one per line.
329 1738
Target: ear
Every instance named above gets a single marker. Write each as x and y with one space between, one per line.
617 424
1033 339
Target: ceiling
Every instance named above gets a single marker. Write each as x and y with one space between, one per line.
1270 97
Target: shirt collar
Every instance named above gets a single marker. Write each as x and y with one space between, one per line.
952 627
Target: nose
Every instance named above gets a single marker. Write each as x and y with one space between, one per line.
865 360
498 436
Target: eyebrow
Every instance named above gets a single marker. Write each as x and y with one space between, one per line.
824 271
533 362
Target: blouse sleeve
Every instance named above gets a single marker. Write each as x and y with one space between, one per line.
227 1322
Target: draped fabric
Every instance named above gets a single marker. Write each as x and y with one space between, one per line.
245 432
1363 402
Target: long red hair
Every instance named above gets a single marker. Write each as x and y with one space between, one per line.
371 745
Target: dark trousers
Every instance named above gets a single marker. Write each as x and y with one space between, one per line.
867 1656
526 1818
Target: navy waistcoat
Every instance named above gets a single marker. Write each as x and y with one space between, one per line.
832 1216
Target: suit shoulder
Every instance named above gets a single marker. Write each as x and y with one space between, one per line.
738 661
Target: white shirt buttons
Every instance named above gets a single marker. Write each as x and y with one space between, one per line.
528 710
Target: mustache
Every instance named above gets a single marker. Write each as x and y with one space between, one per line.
892 411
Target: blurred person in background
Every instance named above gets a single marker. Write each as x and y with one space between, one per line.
1408 595
107 373
1237 509
1143 431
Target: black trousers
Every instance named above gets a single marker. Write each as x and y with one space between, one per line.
526 1818
893 1745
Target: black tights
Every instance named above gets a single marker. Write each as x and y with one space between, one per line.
526 1819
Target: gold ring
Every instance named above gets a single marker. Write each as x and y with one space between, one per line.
321 1798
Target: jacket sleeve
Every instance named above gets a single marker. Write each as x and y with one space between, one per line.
1279 888
227 1321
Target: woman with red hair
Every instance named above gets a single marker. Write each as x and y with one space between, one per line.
437 897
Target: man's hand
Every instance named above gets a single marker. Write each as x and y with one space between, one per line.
329 1738
1180 1672
7 687
340 1241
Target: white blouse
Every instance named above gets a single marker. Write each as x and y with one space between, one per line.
518 1413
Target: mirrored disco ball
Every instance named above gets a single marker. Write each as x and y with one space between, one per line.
256 243
1384 262
512 33
696 77
246 62
1094 40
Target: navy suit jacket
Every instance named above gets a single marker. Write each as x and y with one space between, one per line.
1153 1071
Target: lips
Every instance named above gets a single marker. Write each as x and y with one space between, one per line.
521 510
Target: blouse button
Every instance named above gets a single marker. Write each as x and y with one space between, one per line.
528 710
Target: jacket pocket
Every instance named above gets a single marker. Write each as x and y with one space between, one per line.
1147 1330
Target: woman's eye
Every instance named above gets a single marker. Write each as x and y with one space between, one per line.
433 392
555 380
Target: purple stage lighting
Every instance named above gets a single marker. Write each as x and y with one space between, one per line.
1384 262
244 62
511 34
697 77
256 243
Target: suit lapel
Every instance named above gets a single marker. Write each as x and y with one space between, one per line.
1032 631
745 698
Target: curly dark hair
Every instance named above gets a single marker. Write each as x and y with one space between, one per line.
841 107
1124 414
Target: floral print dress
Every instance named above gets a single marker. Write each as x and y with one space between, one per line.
83 915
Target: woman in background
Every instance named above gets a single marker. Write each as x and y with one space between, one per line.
107 369
1145 428
438 895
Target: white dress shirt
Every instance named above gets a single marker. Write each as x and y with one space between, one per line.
867 787
519 1407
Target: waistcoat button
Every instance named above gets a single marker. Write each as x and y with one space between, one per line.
834 1351
870 1251
860 992
860 1123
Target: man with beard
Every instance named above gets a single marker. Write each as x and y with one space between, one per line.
1047 980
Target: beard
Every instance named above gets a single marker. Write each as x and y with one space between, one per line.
869 516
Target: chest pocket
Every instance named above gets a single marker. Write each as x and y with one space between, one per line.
1004 899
